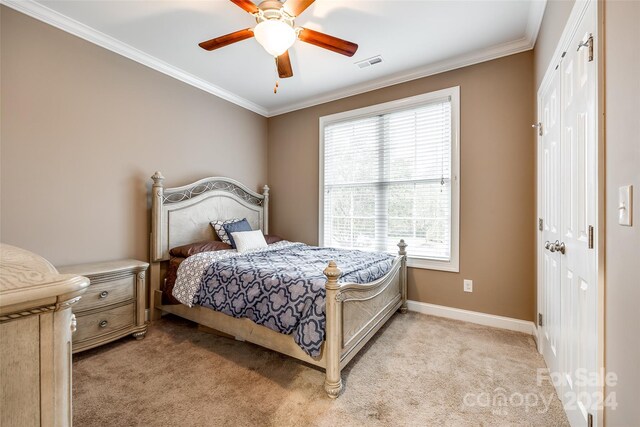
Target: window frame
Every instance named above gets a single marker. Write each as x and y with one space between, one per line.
453 264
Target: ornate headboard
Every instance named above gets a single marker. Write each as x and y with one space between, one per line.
182 215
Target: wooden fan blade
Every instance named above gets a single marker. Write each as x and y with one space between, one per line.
296 7
247 5
225 40
284 66
326 41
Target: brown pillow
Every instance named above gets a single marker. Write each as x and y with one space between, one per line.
186 251
270 238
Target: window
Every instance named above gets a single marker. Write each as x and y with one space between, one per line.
391 172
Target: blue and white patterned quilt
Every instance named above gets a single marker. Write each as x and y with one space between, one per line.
280 287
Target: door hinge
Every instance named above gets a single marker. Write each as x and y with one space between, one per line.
539 319
588 44
591 237
540 224
589 420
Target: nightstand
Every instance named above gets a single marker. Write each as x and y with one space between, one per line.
114 304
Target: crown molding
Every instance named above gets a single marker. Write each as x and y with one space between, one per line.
56 19
536 13
495 52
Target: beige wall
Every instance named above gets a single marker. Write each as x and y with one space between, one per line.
555 18
83 129
622 319
497 181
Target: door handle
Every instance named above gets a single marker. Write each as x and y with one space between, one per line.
555 246
560 247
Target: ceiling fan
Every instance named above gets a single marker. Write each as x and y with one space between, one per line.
276 32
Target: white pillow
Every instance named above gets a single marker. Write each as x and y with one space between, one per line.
249 240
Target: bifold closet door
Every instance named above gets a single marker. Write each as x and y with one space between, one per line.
550 209
568 201
578 217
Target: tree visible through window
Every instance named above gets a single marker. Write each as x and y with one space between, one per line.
388 176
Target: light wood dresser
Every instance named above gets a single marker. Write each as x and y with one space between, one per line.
114 305
36 324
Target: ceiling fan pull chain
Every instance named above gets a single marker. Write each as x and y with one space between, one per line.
275 88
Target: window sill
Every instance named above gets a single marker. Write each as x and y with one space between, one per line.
432 264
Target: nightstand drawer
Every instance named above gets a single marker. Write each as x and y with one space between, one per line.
113 305
106 293
104 322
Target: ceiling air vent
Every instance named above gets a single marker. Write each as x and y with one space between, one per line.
369 62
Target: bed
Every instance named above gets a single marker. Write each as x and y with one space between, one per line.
354 312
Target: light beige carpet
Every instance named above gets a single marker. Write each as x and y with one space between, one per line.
418 371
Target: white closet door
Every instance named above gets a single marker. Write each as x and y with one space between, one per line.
579 204
550 210
568 201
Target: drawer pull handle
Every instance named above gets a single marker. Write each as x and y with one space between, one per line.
103 324
104 294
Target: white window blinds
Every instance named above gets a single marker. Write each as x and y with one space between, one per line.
388 177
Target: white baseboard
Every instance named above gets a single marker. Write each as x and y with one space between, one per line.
535 336
474 317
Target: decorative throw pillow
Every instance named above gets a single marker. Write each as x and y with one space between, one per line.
235 227
218 227
248 240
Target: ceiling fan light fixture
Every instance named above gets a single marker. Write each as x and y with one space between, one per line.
276 32
275 36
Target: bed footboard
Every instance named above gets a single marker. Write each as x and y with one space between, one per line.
354 312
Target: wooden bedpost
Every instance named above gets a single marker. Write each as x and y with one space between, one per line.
157 192
265 210
403 274
333 336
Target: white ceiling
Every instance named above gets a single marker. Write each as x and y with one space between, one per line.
415 38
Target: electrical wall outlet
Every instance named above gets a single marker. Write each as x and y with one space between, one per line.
468 285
